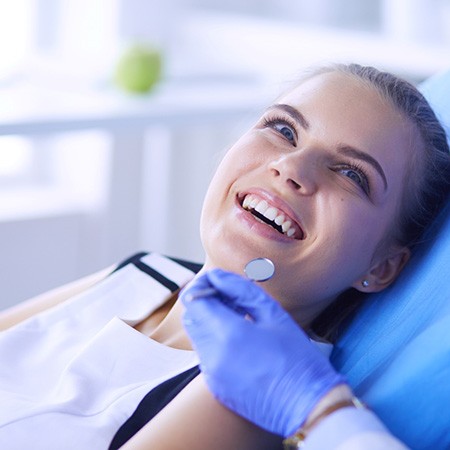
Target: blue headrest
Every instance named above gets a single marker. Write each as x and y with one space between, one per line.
396 352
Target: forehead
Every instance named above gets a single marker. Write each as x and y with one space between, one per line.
341 90
342 106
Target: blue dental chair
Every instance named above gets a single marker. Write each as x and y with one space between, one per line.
396 352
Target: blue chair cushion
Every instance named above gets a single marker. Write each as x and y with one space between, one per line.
396 351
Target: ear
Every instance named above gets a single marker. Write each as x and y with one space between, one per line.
384 272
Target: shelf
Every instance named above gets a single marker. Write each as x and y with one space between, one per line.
28 109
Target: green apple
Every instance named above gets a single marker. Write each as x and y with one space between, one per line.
139 68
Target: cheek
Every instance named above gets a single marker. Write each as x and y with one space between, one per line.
218 190
353 234
218 187
248 152
237 162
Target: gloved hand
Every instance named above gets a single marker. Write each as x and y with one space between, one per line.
265 369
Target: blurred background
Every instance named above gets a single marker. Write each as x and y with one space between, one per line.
90 173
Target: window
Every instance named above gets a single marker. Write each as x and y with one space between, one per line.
16 159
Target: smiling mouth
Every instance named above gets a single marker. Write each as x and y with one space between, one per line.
272 216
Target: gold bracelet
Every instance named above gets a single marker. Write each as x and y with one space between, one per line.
296 441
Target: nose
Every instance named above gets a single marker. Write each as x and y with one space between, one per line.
297 171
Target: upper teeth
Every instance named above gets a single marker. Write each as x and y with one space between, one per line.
270 212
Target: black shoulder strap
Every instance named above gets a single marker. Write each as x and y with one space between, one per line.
151 404
130 260
136 260
161 395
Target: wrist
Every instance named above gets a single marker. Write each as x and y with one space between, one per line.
340 393
339 397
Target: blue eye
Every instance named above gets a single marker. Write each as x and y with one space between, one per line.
354 176
285 131
357 176
283 127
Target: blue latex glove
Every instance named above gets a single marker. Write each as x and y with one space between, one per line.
266 370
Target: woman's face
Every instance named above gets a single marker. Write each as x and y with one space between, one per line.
315 186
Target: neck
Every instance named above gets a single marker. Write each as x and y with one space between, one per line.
169 330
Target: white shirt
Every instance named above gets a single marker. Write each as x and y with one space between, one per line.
72 375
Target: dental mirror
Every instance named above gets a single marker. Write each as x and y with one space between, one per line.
259 269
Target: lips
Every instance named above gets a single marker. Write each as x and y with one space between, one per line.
272 215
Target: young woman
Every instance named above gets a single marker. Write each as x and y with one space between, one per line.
335 183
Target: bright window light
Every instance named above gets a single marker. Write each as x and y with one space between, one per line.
16 157
16 29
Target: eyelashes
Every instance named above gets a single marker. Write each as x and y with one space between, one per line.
356 173
284 126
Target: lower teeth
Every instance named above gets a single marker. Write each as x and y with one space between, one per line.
267 221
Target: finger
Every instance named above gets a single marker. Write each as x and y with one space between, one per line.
209 318
243 294
202 288
198 287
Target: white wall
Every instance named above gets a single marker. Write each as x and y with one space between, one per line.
90 227
27 246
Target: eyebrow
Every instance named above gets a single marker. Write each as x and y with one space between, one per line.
294 113
359 154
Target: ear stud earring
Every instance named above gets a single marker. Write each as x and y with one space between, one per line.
365 283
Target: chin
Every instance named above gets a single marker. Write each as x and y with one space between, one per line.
231 263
